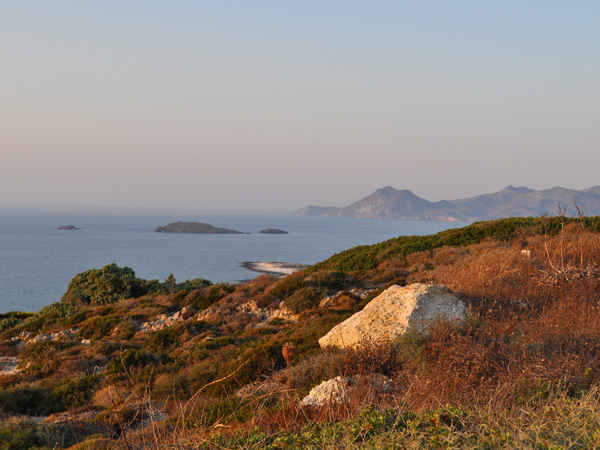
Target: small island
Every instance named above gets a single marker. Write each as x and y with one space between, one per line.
273 231
68 227
194 227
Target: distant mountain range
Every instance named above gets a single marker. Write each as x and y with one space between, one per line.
390 203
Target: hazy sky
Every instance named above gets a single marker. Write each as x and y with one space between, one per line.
274 105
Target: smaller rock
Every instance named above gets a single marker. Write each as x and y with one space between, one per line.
273 231
187 312
68 227
341 389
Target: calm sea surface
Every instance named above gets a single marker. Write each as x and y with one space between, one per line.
37 260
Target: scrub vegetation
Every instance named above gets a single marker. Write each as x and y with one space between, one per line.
96 371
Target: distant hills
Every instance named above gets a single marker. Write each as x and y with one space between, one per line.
390 203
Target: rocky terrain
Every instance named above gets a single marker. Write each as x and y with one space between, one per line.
475 337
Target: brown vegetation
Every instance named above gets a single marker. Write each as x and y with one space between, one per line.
532 337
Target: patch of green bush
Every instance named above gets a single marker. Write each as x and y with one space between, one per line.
98 327
205 297
25 400
103 286
21 439
161 341
129 359
71 393
304 299
368 257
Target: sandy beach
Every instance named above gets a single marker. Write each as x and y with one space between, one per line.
275 268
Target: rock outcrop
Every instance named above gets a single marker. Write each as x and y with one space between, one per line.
273 231
342 389
393 312
168 320
68 227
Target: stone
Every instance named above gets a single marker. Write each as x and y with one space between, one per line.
341 389
188 312
393 312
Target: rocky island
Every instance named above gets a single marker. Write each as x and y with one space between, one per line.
273 231
194 227
68 227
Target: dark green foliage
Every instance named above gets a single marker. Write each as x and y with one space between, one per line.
333 281
71 393
302 292
288 285
367 257
24 400
304 299
21 439
10 321
196 283
103 286
58 310
76 318
129 359
218 343
99 327
162 340
207 296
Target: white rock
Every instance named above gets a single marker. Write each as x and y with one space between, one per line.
341 389
390 314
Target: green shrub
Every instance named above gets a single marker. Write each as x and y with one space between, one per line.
21 439
58 310
71 393
161 341
368 257
288 285
103 286
304 299
98 327
25 400
205 297
332 280
129 359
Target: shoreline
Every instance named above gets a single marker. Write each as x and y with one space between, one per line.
275 268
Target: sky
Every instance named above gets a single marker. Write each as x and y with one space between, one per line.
274 105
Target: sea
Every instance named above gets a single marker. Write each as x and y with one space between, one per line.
37 260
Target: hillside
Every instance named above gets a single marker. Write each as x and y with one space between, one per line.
389 203
122 362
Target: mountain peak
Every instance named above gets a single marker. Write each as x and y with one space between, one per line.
390 203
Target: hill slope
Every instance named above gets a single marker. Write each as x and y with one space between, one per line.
390 203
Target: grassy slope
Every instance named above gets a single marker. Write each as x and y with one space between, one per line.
531 343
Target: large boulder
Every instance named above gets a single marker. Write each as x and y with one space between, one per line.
396 309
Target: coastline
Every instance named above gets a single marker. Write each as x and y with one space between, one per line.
275 268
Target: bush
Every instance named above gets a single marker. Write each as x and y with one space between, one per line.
304 299
203 298
103 286
72 393
129 359
162 340
98 327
